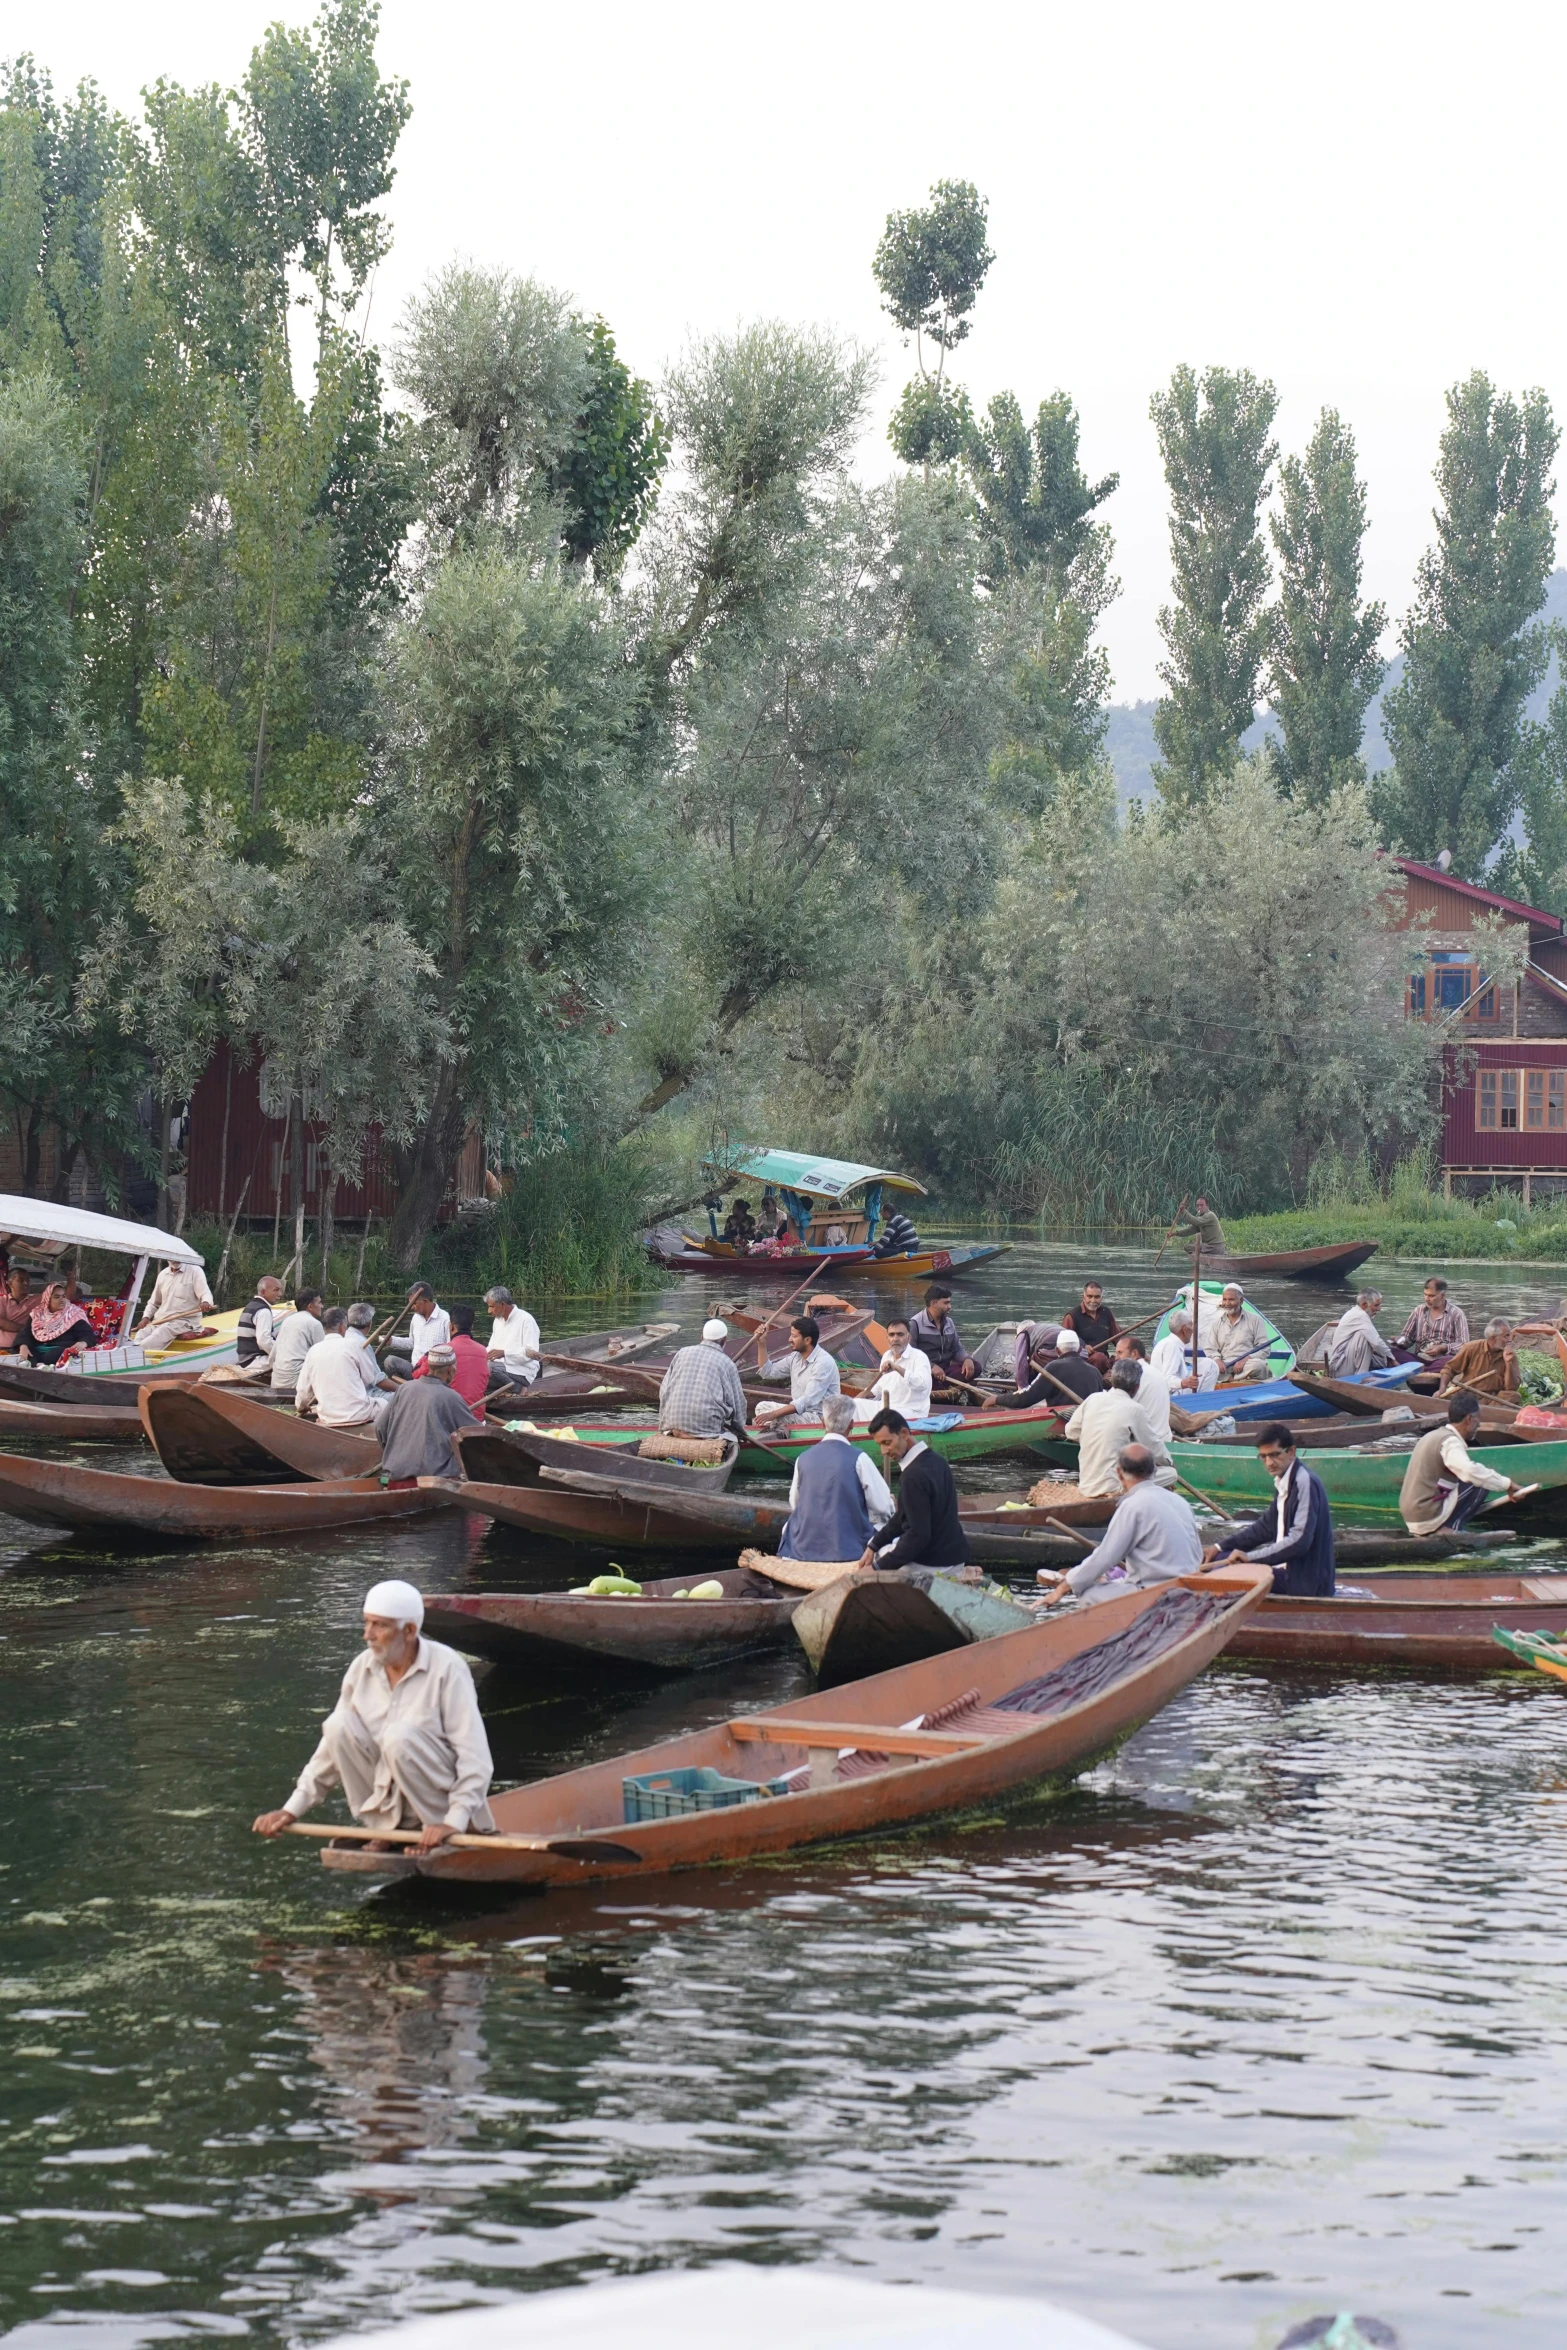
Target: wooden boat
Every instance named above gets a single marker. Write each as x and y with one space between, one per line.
579 1493
1535 1649
870 1622
955 1731
1363 1486
1335 1262
971 1436
89 1423
1424 1623
225 1436
517 1446
100 1501
55 1228
1281 1355
658 1630
1369 1398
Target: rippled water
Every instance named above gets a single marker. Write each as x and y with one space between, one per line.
1265 2016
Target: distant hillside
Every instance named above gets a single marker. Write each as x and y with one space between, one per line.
1129 737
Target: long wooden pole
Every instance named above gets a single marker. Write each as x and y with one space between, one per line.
761 1332
1170 1235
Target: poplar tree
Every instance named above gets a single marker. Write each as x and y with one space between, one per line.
1325 666
1454 721
1213 436
930 266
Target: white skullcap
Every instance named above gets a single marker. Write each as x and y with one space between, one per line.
714 1333
1068 1343
398 1601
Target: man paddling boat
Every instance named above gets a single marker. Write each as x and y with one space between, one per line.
1444 1485
1151 1538
405 1740
1486 1366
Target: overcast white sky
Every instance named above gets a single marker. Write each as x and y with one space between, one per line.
1360 201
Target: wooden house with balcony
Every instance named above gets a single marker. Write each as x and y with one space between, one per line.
1504 1090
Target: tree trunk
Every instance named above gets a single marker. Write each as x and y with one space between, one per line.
328 1217
32 1149
163 1161
424 1170
296 1184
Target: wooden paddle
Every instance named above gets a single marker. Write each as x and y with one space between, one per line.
1061 1527
569 1849
1206 1499
1170 1235
762 1329
1522 1494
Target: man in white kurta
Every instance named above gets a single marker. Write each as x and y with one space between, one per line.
903 1382
1172 1358
180 1297
1103 1425
405 1740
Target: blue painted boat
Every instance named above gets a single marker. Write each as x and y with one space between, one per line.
1281 1399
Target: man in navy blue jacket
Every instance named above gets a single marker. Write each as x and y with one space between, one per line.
1295 1536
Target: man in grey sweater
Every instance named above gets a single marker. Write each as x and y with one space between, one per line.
1151 1538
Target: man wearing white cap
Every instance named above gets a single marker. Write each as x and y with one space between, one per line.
701 1394
405 1739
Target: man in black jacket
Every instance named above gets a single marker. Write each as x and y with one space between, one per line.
925 1529
1294 1535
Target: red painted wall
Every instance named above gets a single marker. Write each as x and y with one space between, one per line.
1465 1143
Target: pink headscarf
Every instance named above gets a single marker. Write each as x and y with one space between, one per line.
46 1325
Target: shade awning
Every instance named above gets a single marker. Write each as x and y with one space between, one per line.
830 1179
56 1227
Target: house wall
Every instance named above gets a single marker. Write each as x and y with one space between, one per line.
1531 1160
234 1148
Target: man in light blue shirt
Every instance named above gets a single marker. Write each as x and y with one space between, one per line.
1151 1538
813 1375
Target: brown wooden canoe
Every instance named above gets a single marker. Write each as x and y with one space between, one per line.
504 1453
101 1501
1037 1704
108 1423
222 1436
870 1622
624 1517
1333 1263
659 1631
1423 1623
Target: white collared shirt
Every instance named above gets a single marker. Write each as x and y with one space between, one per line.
427 1330
874 1486
903 1384
339 1376
436 1694
510 1337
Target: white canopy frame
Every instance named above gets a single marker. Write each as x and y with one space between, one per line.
53 1227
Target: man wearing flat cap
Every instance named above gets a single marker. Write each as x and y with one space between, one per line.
405 1740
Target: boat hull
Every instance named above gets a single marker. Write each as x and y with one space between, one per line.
1363 1486
59 1493
1418 1623
871 1622
79 1423
227 1436
1334 1263
658 1631
615 1519
580 1812
914 1265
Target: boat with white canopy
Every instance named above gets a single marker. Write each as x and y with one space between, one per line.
49 1229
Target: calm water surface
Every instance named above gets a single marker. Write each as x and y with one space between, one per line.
1264 2016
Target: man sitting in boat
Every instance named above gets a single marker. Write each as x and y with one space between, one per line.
1239 1337
16 1308
903 1382
1295 1536
1202 1224
1444 1484
1104 1425
259 1323
297 1333
1435 1329
1063 1372
418 1424
925 1529
701 1394
1153 1391
56 1327
1172 1358
429 1325
180 1297
935 1333
897 1237
813 1376
1486 1366
1357 1345
470 1363
1152 1537
1093 1324
513 1346
341 1383
838 1498
405 1740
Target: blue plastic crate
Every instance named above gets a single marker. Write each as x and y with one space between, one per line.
664 1795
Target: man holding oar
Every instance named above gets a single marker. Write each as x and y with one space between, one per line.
405 1740
1151 1538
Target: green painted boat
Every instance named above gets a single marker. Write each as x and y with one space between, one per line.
977 1436
1281 1355
1363 1486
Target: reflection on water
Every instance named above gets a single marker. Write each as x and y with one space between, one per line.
1264 2017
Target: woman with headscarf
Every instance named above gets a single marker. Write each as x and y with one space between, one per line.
57 1326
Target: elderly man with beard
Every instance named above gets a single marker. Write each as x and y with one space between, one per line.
405 1740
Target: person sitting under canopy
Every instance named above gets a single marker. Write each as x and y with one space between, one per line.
1294 1534
405 1740
701 1393
418 1425
56 1327
180 1298
739 1227
1152 1537
838 1498
16 1308
1486 1366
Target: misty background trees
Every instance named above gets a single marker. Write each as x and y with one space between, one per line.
485 737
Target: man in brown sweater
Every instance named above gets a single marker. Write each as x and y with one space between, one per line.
1486 1366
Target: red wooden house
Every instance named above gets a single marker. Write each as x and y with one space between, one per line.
238 1145
1504 1094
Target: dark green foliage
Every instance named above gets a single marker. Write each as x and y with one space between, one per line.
1326 666
1454 721
931 423
568 1221
607 477
931 263
1213 436
1036 502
